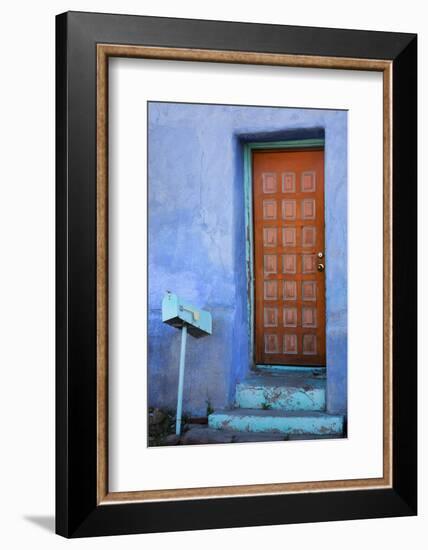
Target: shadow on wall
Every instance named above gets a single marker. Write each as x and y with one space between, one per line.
45 522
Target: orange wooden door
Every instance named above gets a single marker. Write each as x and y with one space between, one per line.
288 195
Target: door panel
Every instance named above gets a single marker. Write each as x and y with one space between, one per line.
288 197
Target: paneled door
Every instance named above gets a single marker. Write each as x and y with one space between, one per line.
289 257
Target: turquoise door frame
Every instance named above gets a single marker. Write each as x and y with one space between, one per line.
248 197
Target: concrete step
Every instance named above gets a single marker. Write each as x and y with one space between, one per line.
206 435
276 421
280 369
203 435
302 390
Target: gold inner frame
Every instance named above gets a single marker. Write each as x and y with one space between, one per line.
104 51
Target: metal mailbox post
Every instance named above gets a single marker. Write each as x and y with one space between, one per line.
197 322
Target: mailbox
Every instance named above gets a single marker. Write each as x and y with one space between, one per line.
197 322
177 313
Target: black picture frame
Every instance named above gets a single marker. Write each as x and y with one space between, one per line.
77 511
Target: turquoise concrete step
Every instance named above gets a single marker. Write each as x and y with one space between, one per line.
286 422
278 369
290 391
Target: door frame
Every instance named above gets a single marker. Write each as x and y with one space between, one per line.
297 144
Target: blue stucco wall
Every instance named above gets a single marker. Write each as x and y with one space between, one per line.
197 242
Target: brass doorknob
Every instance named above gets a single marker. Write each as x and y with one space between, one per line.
320 267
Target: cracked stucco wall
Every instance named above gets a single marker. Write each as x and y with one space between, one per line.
197 242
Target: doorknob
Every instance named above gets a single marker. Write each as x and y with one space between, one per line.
320 267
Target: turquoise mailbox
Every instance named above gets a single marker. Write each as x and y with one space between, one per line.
177 313
197 322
